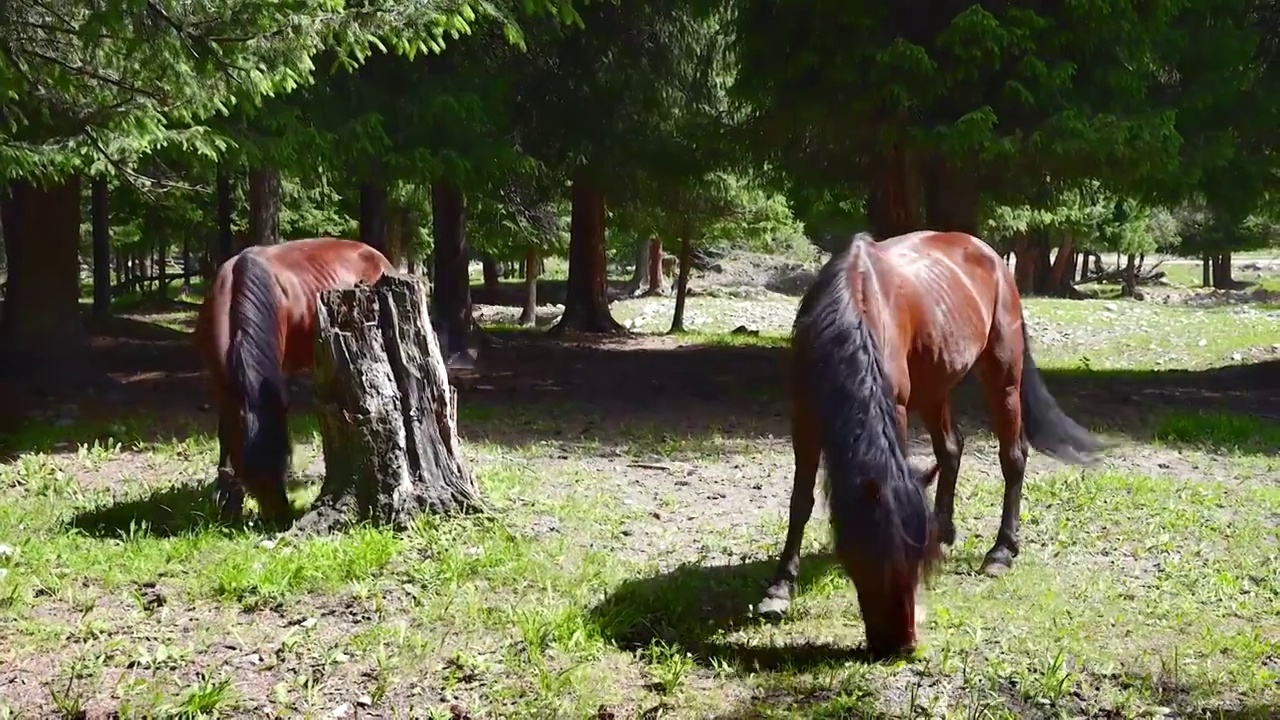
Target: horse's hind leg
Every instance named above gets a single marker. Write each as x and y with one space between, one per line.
1001 380
948 446
807 449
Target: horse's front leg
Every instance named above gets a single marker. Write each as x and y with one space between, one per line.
807 449
228 493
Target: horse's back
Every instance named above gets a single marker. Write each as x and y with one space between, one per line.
946 290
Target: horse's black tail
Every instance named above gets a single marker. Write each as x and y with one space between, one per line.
878 508
1046 426
254 368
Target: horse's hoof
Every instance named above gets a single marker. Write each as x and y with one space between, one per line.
773 608
997 562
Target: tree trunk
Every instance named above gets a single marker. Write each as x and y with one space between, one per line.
41 325
101 213
529 314
1061 272
1025 263
388 417
1222 278
893 205
186 263
639 269
397 236
586 304
1084 266
162 267
1206 271
373 212
225 246
657 279
451 301
1130 287
121 276
951 199
682 280
490 272
264 206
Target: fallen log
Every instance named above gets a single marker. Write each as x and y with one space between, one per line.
388 417
1143 277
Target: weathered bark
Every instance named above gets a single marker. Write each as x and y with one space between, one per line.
638 270
951 198
532 267
893 204
41 327
490 272
101 247
373 211
451 299
586 304
264 206
388 417
682 279
657 278
225 246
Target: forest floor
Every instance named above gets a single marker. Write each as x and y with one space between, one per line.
640 488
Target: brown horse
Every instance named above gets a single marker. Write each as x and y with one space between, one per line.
886 328
256 327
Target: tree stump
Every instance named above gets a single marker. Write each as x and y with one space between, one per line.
388 417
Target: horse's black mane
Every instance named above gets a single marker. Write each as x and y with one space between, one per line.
253 366
876 503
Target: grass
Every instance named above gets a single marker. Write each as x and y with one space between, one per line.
1147 585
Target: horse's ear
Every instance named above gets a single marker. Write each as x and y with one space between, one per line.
928 475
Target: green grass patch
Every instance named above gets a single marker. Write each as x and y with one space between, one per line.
1230 432
1132 593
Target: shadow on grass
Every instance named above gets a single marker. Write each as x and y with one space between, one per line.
166 512
693 606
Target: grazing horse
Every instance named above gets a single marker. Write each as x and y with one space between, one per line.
889 327
257 326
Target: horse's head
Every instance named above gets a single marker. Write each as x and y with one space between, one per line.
259 466
888 575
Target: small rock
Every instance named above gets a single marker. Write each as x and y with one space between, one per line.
341 658
152 596
1202 342
342 710
6 551
267 544
1111 307
1237 357
308 623
364 701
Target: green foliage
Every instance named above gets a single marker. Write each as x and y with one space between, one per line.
96 87
1096 218
1202 231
